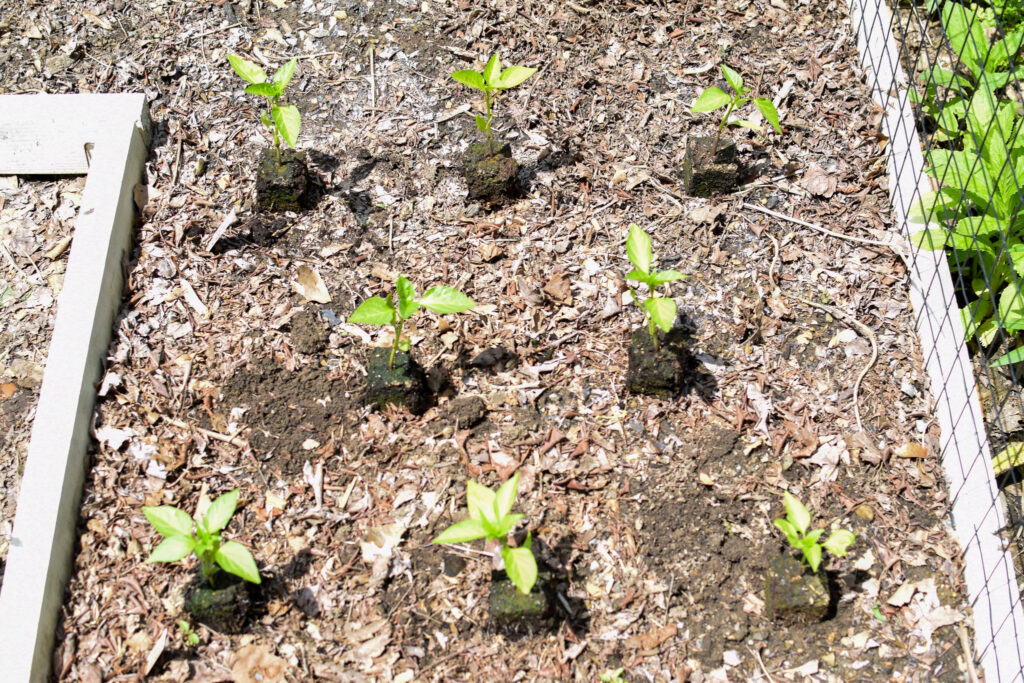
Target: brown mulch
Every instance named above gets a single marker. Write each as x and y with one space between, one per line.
654 516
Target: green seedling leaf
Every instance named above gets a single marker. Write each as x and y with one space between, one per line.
480 501
481 124
1014 356
373 311
638 249
744 123
508 522
813 556
931 239
792 535
640 276
266 120
796 513
462 532
1013 455
521 567
662 312
264 89
172 549
407 305
288 122
492 72
711 99
168 521
220 511
236 559
506 495
471 78
734 79
660 277
283 75
514 75
839 542
248 71
442 299
768 111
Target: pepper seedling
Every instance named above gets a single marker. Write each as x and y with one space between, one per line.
183 536
659 311
395 311
715 98
492 80
283 119
491 517
795 526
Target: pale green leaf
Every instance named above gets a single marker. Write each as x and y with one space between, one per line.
481 124
506 495
839 542
172 549
1013 455
407 305
813 557
492 72
521 567
462 532
220 511
662 311
168 521
791 533
284 74
507 523
796 513
473 79
660 277
709 100
514 75
744 123
480 501
768 111
248 71
442 299
932 239
236 559
263 89
638 248
373 311
734 79
288 122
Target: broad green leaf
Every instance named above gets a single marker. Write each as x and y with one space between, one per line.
492 72
662 311
1016 254
263 89
521 567
839 542
168 521
220 511
932 239
265 118
442 299
473 79
248 71
791 533
796 513
640 276
974 315
514 75
284 74
638 248
407 305
481 124
506 495
1013 455
734 79
171 549
480 501
1011 309
236 559
462 532
813 536
373 311
939 205
744 123
660 277
813 556
768 111
288 122
709 100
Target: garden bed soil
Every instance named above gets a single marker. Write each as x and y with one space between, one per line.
653 516
36 222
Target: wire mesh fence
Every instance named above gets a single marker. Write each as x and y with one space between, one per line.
947 77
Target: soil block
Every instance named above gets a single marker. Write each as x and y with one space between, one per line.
281 186
224 607
508 605
793 594
491 177
709 173
403 385
657 373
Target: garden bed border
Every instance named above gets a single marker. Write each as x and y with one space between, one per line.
105 137
976 511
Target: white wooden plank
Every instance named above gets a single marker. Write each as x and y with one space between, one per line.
40 555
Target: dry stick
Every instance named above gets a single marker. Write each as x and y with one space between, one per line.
835 313
965 643
824 231
233 440
761 662
373 76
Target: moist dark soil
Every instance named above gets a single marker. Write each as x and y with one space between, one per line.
709 171
490 173
282 180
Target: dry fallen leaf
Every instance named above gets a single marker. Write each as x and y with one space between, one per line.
912 450
490 252
818 182
651 639
310 286
254 664
558 288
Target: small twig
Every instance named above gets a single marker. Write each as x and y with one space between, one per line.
965 643
824 231
217 30
14 264
373 75
233 440
757 656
